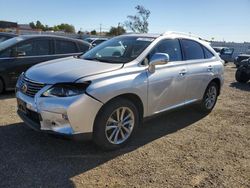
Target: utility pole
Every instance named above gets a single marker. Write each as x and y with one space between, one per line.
118 29
100 29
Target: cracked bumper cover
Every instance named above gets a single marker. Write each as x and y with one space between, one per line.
65 116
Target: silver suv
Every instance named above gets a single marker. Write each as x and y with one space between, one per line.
105 93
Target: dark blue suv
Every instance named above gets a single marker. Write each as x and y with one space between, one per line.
21 52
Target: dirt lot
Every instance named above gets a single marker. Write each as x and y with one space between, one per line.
183 148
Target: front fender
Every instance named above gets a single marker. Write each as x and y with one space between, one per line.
105 89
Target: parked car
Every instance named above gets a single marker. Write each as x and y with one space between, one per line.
225 53
242 74
95 41
6 36
238 60
20 53
105 93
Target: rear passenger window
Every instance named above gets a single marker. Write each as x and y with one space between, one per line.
42 47
192 50
208 54
170 47
65 47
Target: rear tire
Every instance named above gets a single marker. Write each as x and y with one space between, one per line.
241 76
1 86
115 124
210 98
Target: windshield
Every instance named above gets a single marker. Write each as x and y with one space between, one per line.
119 50
3 38
9 42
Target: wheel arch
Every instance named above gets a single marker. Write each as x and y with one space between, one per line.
134 98
218 82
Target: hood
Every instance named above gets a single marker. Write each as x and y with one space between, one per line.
67 69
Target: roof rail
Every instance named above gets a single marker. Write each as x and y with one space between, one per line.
184 34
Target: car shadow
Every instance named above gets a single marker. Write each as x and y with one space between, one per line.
241 86
32 159
7 95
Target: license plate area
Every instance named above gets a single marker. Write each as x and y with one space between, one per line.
22 106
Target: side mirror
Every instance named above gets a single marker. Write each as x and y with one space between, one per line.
20 54
15 53
158 59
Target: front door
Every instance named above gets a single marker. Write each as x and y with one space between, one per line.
167 85
28 53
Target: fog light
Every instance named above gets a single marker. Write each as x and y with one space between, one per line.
65 117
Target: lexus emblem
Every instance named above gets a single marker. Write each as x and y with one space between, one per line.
24 88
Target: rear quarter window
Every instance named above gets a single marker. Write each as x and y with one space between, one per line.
208 53
65 47
83 47
192 49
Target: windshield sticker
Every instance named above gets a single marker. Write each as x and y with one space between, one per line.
145 39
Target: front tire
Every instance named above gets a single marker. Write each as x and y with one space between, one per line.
115 124
210 98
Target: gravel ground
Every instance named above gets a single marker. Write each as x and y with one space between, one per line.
182 148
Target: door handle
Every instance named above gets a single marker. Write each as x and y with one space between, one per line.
210 68
183 72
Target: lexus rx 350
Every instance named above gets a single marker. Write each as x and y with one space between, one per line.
105 93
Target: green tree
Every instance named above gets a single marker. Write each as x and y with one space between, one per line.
55 28
32 25
93 32
66 28
114 31
39 25
62 27
139 22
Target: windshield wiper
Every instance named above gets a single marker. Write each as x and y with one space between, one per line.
101 60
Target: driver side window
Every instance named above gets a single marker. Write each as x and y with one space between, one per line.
5 53
27 48
170 47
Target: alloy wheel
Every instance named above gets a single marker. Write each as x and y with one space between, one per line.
120 125
211 97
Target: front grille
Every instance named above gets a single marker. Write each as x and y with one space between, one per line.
29 87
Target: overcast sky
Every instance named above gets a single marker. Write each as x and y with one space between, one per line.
220 19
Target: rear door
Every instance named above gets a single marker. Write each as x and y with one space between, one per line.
200 68
167 85
227 54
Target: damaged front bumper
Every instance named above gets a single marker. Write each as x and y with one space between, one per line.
64 116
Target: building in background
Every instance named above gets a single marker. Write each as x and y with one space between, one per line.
6 26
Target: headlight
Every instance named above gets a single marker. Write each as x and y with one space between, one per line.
19 80
66 90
